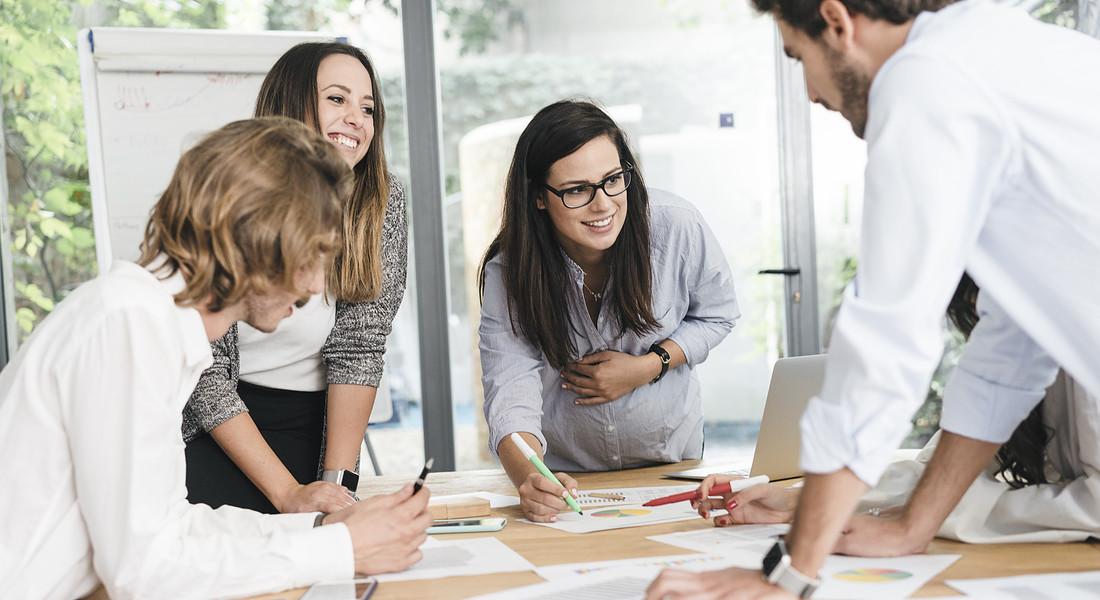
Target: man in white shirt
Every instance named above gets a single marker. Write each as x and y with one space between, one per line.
983 140
92 477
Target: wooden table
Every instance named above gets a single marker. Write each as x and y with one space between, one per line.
544 546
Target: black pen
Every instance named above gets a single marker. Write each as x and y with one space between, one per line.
423 475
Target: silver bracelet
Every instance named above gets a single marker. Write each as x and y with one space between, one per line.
320 520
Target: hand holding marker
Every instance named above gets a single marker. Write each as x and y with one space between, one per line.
530 455
722 488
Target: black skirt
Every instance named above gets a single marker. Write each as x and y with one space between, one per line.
293 424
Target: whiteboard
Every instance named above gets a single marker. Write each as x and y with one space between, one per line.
149 95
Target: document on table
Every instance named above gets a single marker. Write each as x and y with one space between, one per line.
619 517
743 545
617 584
1049 586
630 495
495 500
842 576
687 562
476 556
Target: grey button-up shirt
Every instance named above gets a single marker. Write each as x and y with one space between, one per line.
695 303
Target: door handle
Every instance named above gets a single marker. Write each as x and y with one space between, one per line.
789 271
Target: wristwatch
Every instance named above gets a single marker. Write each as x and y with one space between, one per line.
779 572
346 478
665 359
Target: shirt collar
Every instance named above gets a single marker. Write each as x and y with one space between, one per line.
196 347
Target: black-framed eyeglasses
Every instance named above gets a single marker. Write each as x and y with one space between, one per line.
579 196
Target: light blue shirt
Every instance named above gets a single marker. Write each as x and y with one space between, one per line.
695 304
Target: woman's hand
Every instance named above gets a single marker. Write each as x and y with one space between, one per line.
542 499
608 375
319 496
768 503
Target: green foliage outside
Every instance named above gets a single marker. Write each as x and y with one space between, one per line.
49 209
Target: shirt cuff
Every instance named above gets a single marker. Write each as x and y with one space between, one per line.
984 410
830 442
322 553
499 432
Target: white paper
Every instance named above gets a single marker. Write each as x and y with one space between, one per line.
617 584
476 556
632 495
619 517
686 562
1049 586
495 500
744 545
897 577
842 576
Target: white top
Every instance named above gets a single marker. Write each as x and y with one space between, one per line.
992 512
290 357
92 479
983 141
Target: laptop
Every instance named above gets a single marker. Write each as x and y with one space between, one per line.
794 381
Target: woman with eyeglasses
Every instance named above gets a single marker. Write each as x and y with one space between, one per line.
599 297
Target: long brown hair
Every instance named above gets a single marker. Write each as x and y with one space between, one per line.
533 263
290 90
246 209
1022 459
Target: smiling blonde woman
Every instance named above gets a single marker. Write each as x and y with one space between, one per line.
273 404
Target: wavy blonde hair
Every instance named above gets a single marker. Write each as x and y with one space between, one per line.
290 90
248 208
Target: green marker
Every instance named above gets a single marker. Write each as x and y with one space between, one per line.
530 455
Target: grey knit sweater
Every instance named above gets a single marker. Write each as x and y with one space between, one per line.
352 353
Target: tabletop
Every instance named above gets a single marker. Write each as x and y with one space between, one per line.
543 546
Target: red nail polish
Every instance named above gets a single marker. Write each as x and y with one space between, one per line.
731 505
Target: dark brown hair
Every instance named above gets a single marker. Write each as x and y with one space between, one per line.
246 209
534 267
1022 459
290 90
805 15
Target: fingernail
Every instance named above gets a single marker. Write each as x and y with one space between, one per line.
577 402
722 521
574 491
563 386
732 504
553 519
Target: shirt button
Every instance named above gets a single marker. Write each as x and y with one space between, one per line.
615 457
610 428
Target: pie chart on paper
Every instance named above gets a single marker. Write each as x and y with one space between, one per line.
622 512
872 575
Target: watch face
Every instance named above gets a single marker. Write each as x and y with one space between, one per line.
773 558
350 480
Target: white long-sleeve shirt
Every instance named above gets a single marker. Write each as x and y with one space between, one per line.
983 154
992 512
92 468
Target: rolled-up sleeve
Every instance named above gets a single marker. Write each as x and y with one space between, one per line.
510 368
354 351
215 399
712 301
1001 376
918 231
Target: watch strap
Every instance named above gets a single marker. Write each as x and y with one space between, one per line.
665 359
778 571
344 477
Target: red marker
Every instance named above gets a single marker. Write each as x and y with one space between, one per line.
722 488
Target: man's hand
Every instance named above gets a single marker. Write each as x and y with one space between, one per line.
733 583
319 496
758 504
542 499
387 531
884 535
605 376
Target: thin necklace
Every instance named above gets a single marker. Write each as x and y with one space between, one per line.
597 296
